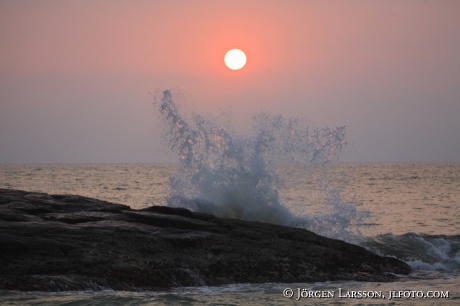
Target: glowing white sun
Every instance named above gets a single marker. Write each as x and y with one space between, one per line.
235 59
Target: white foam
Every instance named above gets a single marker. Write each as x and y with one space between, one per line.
233 176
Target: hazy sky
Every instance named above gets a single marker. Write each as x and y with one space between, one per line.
75 76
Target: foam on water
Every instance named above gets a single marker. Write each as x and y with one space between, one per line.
421 252
233 175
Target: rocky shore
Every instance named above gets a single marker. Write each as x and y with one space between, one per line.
68 242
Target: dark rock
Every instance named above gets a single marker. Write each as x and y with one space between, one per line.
64 242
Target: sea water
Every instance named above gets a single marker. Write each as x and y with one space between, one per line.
281 172
415 218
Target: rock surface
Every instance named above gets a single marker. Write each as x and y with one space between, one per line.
66 242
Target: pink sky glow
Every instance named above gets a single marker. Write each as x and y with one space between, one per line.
75 76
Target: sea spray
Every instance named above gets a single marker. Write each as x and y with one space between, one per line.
420 251
232 175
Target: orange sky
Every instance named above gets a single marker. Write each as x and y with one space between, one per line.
389 70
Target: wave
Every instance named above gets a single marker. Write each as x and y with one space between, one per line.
233 175
420 251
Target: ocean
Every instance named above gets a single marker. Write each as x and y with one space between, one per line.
406 210
282 171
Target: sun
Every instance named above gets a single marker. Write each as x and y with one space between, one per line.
235 59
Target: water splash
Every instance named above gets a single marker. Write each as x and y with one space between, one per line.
420 251
232 175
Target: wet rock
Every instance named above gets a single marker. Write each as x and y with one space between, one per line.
64 242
